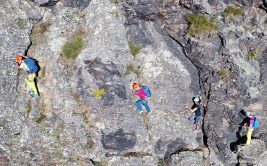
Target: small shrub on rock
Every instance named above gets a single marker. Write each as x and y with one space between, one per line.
224 73
265 21
73 48
135 49
200 24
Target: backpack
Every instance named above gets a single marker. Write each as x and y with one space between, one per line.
147 91
199 111
32 65
256 124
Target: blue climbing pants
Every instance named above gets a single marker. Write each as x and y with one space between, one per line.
195 118
139 104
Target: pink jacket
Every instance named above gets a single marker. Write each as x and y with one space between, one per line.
251 122
141 93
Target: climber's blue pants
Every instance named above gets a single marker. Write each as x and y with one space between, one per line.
195 118
139 104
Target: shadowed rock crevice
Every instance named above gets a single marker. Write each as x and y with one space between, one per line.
46 3
169 148
205 87
177 146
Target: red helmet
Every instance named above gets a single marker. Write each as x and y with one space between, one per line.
136 86
19 58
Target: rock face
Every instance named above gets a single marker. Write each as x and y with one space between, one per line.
86 113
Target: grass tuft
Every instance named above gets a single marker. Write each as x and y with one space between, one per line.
135 49
233 11
253 55
160 162
72 49
224 73
116 2
201 24
265 21
132 69
99 93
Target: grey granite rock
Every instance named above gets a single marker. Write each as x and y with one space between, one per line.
71 124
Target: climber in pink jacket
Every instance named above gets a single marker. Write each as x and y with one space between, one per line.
140 92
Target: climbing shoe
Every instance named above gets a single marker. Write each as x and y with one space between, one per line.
140 112
31 92
149 112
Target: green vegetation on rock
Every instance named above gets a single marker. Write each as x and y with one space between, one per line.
132 69
116 2
233 11
224 73
72 48
99 93
253 55
160 162
201 24
135 49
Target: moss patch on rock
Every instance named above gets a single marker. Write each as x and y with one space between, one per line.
135 49
72 48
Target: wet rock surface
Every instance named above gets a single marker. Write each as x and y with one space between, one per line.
86 114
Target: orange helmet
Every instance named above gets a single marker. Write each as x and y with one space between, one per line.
136 86
19 58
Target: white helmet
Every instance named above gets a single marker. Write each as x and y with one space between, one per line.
196 99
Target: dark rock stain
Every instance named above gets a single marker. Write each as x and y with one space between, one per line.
119 140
